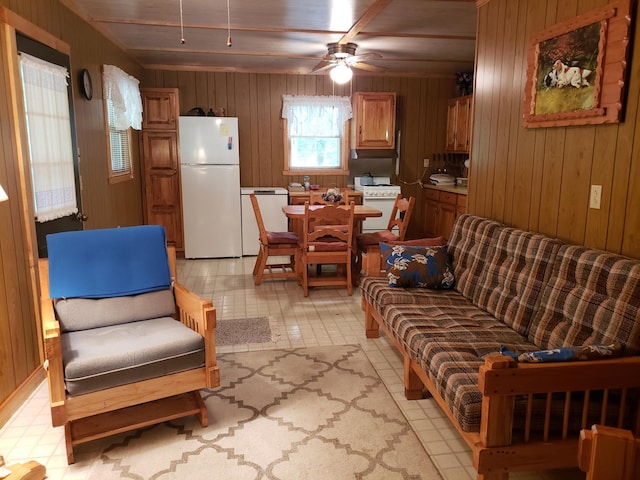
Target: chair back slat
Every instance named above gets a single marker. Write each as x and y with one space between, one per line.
256 211
401 214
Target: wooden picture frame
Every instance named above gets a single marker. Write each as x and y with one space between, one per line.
577 69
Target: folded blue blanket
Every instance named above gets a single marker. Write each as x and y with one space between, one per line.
110 262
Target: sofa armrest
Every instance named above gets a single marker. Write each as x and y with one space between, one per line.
502 379
200 315
526 378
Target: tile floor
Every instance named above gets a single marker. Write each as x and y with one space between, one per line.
326 317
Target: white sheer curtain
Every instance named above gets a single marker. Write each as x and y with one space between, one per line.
49 130
124 92
316 115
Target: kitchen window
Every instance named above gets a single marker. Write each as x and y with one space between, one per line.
316 134
123 111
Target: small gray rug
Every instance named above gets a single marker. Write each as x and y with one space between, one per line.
237 331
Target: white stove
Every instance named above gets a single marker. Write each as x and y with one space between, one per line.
378 187
377 193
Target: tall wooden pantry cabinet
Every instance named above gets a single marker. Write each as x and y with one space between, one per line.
160 159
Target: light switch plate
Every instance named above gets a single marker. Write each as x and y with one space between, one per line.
595 197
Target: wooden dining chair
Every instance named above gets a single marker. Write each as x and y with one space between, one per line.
327 239
273 244
369 243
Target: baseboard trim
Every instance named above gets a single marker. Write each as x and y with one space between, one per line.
21 394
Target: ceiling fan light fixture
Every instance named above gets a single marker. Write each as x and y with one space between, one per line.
341 73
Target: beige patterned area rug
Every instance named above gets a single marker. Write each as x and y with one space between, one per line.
294 414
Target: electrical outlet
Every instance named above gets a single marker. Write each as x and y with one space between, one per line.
596 196
426 163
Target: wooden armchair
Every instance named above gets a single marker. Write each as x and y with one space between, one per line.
327 239
120 285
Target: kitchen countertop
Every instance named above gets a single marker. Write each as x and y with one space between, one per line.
447 188
324 189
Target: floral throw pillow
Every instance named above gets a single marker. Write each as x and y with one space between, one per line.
417 266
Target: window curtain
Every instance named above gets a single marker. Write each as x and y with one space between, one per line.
316 116
49 131
124 92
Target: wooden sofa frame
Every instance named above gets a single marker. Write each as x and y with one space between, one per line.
496 451
607 453
119 409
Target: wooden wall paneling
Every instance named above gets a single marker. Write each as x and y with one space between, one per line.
498 151
246 125
631 237
534 19
509 106
623 224
7 243
187 87
20 350
265 119
480 180
412 115
216 91
528 159
170 78
601 174
201 91
278 87
572 202
575 188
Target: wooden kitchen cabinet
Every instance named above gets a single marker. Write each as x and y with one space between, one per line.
459 124
160 163
374 120
160 109
441 210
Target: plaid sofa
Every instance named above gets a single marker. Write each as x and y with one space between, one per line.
515 288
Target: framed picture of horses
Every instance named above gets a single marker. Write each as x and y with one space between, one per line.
576 70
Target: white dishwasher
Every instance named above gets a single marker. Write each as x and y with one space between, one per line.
271 200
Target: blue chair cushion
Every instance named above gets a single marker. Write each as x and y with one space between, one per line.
108 262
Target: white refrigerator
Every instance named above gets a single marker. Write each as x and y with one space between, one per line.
210 170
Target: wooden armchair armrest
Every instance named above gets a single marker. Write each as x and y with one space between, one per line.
200 315
53 361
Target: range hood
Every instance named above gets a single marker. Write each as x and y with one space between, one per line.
372 153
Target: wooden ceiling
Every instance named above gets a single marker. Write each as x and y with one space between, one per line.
414 37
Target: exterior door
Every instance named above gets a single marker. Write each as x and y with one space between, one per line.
69 222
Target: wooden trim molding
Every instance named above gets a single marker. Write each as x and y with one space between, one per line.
21 394
31 30
481 3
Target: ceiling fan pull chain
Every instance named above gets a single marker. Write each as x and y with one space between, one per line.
228 26
182 40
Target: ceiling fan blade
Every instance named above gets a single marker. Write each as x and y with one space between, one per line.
366 66
322 66
365 56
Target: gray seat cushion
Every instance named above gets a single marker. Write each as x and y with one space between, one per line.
106 357
84 313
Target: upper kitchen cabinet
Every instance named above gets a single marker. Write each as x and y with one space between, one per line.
160 107
459 124
160 163
374 120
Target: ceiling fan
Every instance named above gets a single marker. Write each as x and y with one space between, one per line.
341 58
